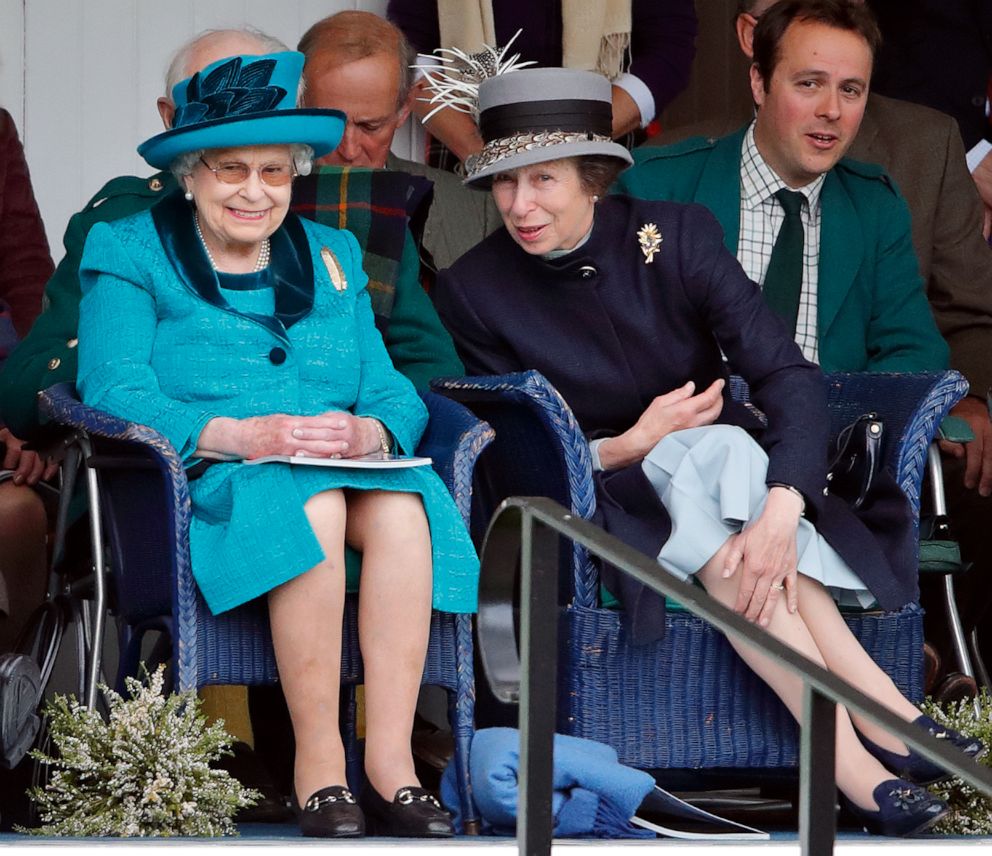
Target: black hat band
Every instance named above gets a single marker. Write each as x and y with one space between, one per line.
535 116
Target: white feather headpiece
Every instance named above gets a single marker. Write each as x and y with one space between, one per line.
455 79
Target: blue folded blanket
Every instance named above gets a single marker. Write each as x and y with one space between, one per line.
594 794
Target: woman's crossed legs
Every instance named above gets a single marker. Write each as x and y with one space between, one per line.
818 631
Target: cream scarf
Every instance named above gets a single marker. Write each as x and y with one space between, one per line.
595 33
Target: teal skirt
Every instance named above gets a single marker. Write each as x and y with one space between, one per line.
250 533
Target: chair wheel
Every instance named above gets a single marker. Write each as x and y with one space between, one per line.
17 807
20 693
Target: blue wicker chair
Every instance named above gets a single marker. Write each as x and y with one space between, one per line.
145 511
687 702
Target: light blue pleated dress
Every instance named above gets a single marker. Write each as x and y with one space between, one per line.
712 482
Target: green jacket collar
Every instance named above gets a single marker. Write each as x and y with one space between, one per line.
841 243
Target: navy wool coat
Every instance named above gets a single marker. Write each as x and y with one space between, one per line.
612 332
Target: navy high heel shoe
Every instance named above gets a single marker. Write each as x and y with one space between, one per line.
914 767
903 809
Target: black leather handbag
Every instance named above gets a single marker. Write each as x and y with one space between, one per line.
856 460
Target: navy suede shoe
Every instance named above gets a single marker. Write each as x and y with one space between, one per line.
914 767
903 809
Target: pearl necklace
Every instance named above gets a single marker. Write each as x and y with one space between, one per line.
264 252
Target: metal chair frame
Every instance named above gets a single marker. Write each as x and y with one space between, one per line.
966 648
80 602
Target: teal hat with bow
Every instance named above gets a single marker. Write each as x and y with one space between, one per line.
243 101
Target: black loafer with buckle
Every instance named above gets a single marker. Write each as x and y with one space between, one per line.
413 813
331 813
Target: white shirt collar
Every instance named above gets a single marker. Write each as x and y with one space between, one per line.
759 181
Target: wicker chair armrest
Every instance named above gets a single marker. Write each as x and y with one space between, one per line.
911 404
531 391
454 439
61 403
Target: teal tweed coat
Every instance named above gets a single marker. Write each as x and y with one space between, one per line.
159 345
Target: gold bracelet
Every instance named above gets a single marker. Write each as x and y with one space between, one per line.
383 439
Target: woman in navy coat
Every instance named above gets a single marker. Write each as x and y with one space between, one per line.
628 307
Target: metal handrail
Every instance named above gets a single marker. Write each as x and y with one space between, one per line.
524 533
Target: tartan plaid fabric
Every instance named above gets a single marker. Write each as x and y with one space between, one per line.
376 205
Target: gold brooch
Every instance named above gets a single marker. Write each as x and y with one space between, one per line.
338 279
650 239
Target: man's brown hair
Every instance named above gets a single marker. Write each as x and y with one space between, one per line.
848 15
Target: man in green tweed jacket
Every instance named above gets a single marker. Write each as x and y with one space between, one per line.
862 306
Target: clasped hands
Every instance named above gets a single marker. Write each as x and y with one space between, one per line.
334 434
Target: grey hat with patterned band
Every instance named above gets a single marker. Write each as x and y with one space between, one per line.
542 114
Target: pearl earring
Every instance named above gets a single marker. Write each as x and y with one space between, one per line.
189 195
595 199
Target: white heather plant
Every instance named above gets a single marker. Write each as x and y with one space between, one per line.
144 772
971 810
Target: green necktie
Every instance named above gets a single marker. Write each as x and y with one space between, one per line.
784 278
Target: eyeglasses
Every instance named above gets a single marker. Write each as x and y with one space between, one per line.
271 174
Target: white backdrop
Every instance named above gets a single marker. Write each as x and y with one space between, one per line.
80 78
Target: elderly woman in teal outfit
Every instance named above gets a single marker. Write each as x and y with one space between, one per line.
239 331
